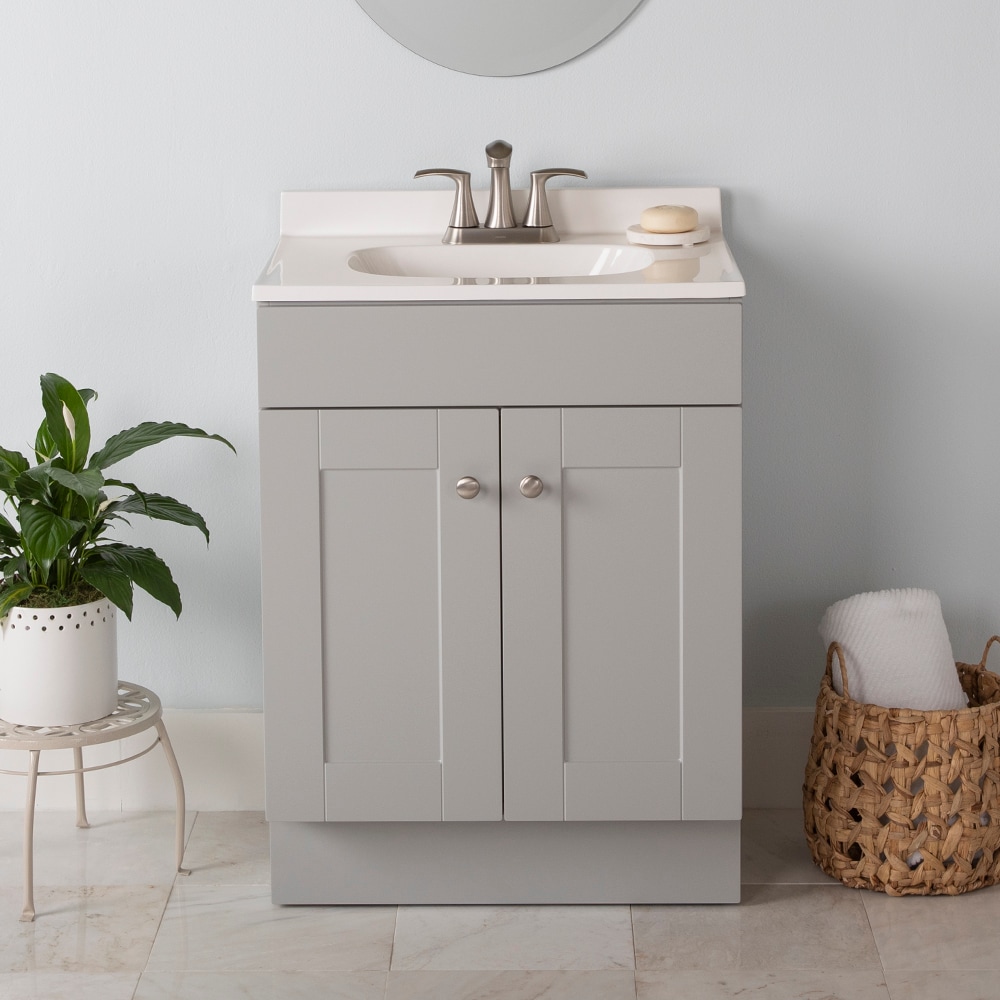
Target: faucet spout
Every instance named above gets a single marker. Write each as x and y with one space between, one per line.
500 214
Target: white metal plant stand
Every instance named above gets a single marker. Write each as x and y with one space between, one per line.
138 710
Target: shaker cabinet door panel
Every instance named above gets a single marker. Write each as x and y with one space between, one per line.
397 612
621 614
380 611
591 572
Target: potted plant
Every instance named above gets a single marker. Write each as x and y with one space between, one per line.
63 576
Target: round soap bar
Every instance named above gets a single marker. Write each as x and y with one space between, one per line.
669 219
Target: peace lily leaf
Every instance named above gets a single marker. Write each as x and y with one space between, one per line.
86 483
31 485
15 566
151 573
146 569
160 507
8 533
108 511
12 465
112 581
133 439
13 596
45 447
45 534
123 485
66 420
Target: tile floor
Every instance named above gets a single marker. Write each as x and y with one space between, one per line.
115 923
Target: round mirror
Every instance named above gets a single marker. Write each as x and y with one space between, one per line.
499 37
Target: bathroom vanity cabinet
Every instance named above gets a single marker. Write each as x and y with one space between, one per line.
502 600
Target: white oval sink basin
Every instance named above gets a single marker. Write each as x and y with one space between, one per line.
504 260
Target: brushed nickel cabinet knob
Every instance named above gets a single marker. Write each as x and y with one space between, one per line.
531 487
467 487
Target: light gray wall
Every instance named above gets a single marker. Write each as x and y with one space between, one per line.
144 145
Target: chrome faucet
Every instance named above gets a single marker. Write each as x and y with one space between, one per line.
464 227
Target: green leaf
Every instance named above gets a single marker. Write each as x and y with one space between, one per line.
111 580
9 535
45 534
32 485
125 486
45 447
13 461
66 420
12 465
145 568
86 483
159 507
133 439
13 595
151 573
17 565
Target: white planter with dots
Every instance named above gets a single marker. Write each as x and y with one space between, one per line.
59 666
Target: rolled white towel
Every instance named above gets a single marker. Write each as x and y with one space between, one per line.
896 649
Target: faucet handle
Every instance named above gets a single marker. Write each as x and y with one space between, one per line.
537 216
463 214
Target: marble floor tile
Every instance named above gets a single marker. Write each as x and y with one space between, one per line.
790 985
946 933
113 920
775 850
513 937
981 985
95 929
229 848
602 984
67 985
774 928
209 928
261 986
118 849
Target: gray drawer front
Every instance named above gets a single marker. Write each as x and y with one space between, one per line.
588 354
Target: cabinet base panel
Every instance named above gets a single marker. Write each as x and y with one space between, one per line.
498 863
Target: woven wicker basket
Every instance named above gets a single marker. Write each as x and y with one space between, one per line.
902 801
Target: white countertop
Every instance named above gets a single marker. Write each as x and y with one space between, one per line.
321 231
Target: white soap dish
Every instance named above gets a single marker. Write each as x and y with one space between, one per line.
636 234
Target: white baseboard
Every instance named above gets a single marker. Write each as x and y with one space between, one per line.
221 756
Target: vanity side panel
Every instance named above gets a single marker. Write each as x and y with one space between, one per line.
589 354
292 643
713 613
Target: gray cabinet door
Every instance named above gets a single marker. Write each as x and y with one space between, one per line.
410 615
386 695
594 568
